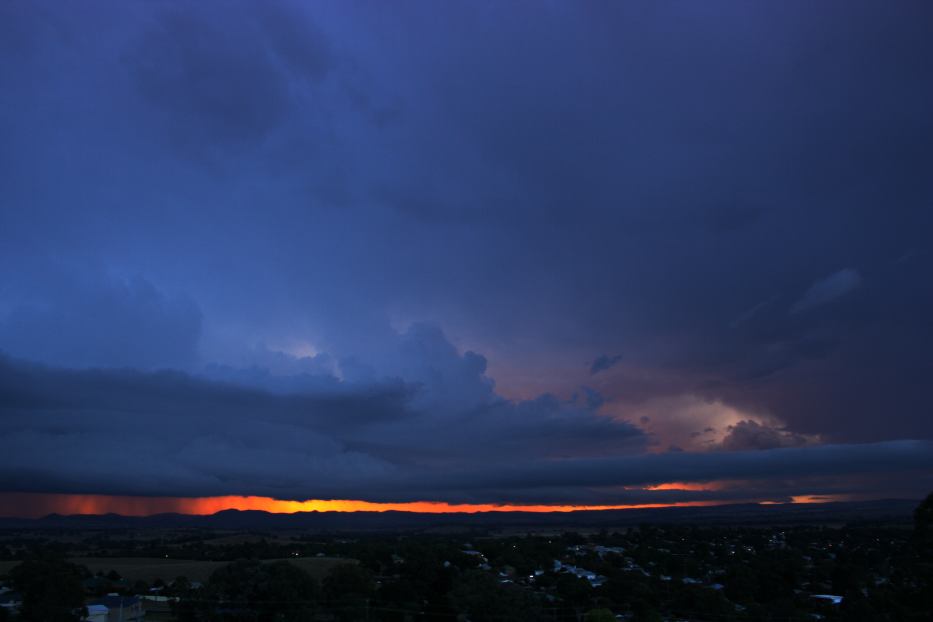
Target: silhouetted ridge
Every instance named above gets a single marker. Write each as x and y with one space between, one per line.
881 510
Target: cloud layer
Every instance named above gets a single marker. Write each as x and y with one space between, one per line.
164 433
326 213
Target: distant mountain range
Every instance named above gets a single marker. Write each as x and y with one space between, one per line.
886 510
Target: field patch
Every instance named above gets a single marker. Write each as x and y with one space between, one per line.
149 569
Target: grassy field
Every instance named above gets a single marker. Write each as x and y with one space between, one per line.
243 538
150 569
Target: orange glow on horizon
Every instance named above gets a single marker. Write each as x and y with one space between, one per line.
31 505
810 499
692 486
819 498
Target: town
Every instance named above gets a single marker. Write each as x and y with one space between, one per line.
870 571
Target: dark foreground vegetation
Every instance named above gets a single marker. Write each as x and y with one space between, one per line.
675 572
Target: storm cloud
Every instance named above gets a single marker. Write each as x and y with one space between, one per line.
257 247
604 362
826 290
158 433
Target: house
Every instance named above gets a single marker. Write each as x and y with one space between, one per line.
476 554
158 607
594 579
119 608
830 598
603 550
11 600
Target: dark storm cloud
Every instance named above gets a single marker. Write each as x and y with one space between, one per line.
604 362
746 435
826 290
126 432
891 457
93 322
222 74
191 435
734 195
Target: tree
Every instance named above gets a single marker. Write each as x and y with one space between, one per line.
921 594
575 591
599 615
181 585
484 599
348 580
51 589
644 612
251 590
348 589
923 522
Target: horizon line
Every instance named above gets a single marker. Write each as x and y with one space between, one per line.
39 505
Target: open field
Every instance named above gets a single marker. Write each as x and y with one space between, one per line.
149 569
244 538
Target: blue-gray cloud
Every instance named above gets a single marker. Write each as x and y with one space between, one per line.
315 436
604 362
681 184
826 290
127 432
102 322
747 434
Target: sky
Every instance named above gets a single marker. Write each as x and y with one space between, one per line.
519 254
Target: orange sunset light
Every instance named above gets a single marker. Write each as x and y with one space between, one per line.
41 504
685 486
